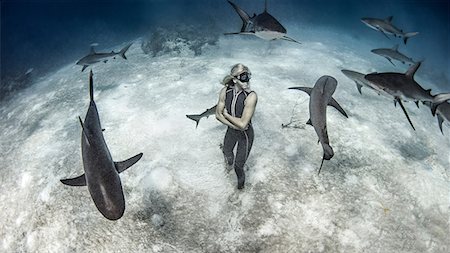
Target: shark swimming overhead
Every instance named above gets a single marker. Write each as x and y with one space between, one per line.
94 57
393 54
101 173
385 26
403 87
198 117
320 98
263 25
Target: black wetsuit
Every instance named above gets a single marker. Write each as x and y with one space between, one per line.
234 103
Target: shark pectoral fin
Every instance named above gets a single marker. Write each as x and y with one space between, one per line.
384 34
305 89
440 121
335 104
406 114
417 104
123 165
289 39
390 60
309 122
84 67
76 181
359 86
103 129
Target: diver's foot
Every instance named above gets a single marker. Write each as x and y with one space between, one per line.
240 187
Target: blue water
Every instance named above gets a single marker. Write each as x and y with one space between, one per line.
45 35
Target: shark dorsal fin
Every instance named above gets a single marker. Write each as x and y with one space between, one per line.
92 50
395 48
412 70
389 19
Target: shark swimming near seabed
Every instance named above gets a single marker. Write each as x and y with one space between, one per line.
403 87
94 57
393 54
263 25
320 97
101 173
385 26
198 117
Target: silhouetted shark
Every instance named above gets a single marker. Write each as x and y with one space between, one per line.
94 57
385 26
198 117
263 25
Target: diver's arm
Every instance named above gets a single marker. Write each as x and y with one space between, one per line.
247 114
220 109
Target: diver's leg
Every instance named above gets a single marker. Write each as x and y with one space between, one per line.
228 145
243 150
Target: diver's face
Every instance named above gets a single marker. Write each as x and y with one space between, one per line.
243 79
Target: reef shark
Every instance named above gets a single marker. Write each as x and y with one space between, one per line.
94 57
403 87
263 25
320 97
198 117
101 173
385 26
393 54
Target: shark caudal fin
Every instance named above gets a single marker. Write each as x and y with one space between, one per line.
244 16
76 181
123 165
406 36
195 117
328 153
124 50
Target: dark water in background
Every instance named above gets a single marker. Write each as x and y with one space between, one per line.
46 35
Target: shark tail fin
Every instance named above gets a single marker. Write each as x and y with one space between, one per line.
194 117
244 16
437 100
409 35
76 181
91 85
124 50
123 165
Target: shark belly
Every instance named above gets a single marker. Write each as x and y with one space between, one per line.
269 35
